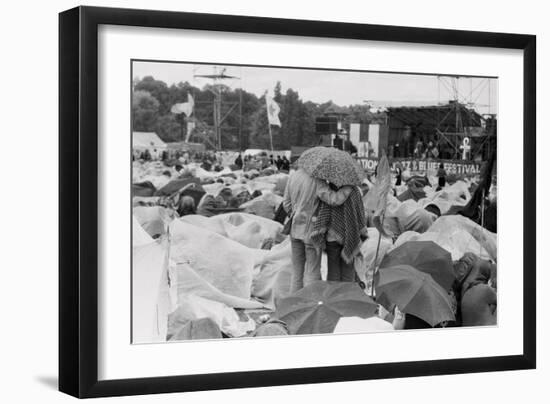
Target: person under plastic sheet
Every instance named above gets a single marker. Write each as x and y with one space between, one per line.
186 206
475 290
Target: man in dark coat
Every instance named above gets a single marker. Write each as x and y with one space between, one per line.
286 164
239 161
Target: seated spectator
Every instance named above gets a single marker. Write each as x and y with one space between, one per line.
186 206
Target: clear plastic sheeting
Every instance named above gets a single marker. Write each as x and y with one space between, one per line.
366 261
153 219
404 216
205 223
456 194
264 205
272 282
190 282
247 229
358 324
151 294
192 307
139 236
225 264
458 235
457 223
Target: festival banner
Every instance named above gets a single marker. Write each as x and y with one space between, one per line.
458 167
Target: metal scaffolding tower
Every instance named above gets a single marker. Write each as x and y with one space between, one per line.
218 77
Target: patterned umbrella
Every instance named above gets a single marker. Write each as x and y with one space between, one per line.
317 308
331 164
426 256
413 292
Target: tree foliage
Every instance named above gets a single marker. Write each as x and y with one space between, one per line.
243 126
145 111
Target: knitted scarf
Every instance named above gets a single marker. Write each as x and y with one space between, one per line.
347 221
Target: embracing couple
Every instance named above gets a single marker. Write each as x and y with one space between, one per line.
323 217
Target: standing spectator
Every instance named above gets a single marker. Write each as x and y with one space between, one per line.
239 161
398 176
441 177
341 226
419 148
285 166
279 162
301 202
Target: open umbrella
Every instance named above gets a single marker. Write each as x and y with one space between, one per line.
176 185
426 256
317 308
413 292
203 328
331 164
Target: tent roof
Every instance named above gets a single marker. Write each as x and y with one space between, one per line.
147 139
443 116
186 146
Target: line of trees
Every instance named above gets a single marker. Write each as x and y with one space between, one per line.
153 99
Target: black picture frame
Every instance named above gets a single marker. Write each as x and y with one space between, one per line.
78 200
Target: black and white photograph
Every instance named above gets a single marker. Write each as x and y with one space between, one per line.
274 202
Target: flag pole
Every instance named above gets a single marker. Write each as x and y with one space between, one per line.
268 121
376 259
270 135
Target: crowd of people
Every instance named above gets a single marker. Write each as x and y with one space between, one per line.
328 231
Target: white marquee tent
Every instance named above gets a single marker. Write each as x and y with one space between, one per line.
142 141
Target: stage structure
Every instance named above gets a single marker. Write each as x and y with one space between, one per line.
476 132
455 125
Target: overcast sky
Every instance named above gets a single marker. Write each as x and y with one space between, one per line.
344 88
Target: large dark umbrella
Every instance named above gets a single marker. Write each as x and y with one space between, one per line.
426 256
411 193
145 188
418 181
317 308
331 164
413 292
176 185
203 328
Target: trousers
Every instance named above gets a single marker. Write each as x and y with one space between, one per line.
338 269
306 263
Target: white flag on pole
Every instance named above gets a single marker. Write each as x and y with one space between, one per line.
184 107
273 110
